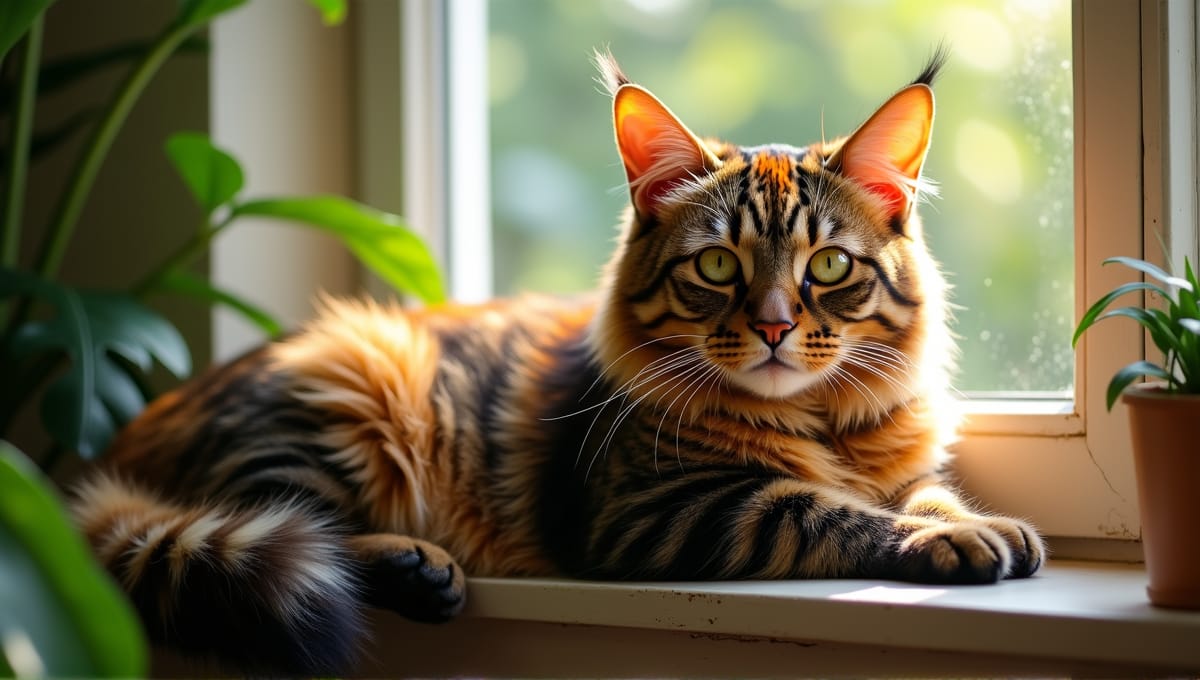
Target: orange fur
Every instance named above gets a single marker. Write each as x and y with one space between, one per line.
790 420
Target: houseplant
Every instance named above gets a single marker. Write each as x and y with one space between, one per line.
84 354
1163 418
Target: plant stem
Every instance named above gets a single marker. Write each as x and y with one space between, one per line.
182 256
18 161
54 245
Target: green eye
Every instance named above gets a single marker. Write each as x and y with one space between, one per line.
829 266
717 266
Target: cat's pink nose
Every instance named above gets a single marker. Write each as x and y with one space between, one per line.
772 332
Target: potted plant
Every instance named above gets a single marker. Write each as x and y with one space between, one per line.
1163 417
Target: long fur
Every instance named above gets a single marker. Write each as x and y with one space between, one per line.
650 432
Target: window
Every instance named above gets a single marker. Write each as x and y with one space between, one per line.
1063 463
791 72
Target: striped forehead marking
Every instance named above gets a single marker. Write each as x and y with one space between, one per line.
773 169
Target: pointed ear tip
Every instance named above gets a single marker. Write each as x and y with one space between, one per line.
920 90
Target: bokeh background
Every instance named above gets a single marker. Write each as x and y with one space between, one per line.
790 71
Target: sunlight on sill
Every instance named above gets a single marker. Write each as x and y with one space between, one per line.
890 595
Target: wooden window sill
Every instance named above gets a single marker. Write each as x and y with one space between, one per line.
1074 617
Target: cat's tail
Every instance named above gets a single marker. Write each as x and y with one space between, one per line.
266 588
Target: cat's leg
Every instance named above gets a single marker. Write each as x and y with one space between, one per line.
414 578
727 524
931 499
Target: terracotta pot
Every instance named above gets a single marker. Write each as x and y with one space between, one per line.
1165 430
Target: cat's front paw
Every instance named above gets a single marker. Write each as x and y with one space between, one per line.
962 552
1027 547
413 578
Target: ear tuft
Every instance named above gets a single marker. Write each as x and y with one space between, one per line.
658 150
610 76
885 155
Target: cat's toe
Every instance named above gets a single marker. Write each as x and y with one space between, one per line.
414 578
1027 547
955 553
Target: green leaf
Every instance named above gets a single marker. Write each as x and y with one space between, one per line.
1142 266
333 12
381 240
1138 369
1155 321
1192 325
1093 313
15 18
83 407
194 286
213 176
197 12
62 72
55 601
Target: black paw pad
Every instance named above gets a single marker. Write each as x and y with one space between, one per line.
421 583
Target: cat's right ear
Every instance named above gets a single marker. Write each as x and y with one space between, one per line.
658 150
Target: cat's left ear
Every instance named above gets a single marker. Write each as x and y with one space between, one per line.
885 155
658 150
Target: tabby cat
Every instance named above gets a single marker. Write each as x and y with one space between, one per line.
758 391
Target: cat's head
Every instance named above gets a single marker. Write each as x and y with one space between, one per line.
771 271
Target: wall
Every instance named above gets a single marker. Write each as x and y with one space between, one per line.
139 210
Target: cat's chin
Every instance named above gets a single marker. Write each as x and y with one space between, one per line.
773 379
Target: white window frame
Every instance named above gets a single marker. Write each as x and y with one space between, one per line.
1066 465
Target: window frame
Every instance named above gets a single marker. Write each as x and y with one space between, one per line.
1064 464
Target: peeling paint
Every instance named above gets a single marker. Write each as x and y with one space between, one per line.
722 637
1118 527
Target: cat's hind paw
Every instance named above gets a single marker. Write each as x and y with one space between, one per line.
411 577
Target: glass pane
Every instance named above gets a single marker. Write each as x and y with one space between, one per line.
789 71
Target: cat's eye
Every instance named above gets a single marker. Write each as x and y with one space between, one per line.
717 266
829 266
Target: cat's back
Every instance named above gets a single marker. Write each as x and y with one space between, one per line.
390 413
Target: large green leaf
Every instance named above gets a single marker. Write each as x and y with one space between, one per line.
198 12
333 12
15 18
94 396
58 73
60 614
186 284
381 240
213 176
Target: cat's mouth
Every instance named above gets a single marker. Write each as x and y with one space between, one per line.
775 377
773 363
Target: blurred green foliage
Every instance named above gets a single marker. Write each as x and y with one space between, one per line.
792 71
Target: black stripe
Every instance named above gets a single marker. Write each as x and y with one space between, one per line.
877 317
281 458
700 300
791 218
843 301
794 508
660 278
668 315
700 556
802 185
812 227
758 221
675 499
887 283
